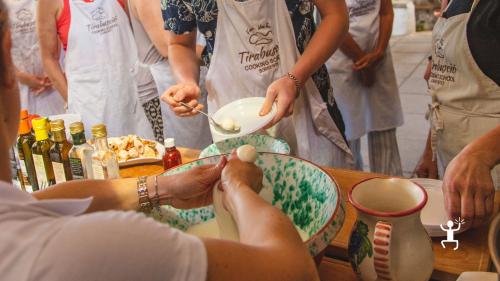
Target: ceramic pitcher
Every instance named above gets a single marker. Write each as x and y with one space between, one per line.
388 241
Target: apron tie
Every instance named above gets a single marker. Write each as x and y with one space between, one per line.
437 125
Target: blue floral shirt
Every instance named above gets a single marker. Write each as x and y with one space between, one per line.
181 16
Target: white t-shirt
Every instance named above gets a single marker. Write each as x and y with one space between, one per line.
48 240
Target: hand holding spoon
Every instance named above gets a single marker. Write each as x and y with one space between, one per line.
214 123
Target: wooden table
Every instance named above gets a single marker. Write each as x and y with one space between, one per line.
472 255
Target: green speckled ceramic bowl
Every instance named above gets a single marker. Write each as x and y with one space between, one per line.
262 143
306 193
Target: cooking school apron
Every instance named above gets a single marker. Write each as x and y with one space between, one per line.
377 108
465 102
193 132
101 64
27 58
255 46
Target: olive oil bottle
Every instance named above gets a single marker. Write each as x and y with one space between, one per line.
80 155
104 160
59 152
25 142
41 154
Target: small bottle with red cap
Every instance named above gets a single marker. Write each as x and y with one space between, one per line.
172 156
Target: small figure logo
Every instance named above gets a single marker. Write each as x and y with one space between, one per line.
450 232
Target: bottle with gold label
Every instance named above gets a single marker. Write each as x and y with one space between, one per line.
104 160
59 152
41 154
80 155
24 154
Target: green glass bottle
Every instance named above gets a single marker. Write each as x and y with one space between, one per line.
41 154
59 152
80 155
25 142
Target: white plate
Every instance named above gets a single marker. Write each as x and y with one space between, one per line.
136 161
434 212
246 112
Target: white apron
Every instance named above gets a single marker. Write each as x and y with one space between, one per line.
365 110
101 64
27 58
192 132
465 102
254 46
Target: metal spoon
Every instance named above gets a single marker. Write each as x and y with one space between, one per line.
212 121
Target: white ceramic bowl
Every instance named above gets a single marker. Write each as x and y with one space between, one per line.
246 112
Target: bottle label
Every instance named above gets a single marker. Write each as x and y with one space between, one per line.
76 168
24 173
59 172
41 174
98 170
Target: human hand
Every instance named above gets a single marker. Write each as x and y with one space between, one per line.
192 189
282 91
238 174
34 82
186 92
427 168
368 60
468 190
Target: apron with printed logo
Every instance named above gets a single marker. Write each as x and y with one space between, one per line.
254 46
465 102
377 108
101 63
26 56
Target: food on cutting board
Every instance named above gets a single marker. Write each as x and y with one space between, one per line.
230 124
132 147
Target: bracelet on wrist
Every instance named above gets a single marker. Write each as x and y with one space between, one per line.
145 205
298 84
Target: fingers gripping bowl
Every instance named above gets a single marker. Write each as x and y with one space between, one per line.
303 191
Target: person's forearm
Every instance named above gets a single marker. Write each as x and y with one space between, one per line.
486 148
119 194
184 63
385 31
351 49
334 27
56 75
259 223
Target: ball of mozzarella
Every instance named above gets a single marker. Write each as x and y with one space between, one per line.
247 153
228 124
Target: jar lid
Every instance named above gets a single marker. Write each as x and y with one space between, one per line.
76 127
99 131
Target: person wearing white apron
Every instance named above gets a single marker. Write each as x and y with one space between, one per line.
37 94
151 39
253 54
365 87
101 65
465 88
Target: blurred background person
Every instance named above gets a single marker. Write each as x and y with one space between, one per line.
464 82
365 87
100 64
37 93
155 77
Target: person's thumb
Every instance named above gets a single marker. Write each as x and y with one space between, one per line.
215 172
